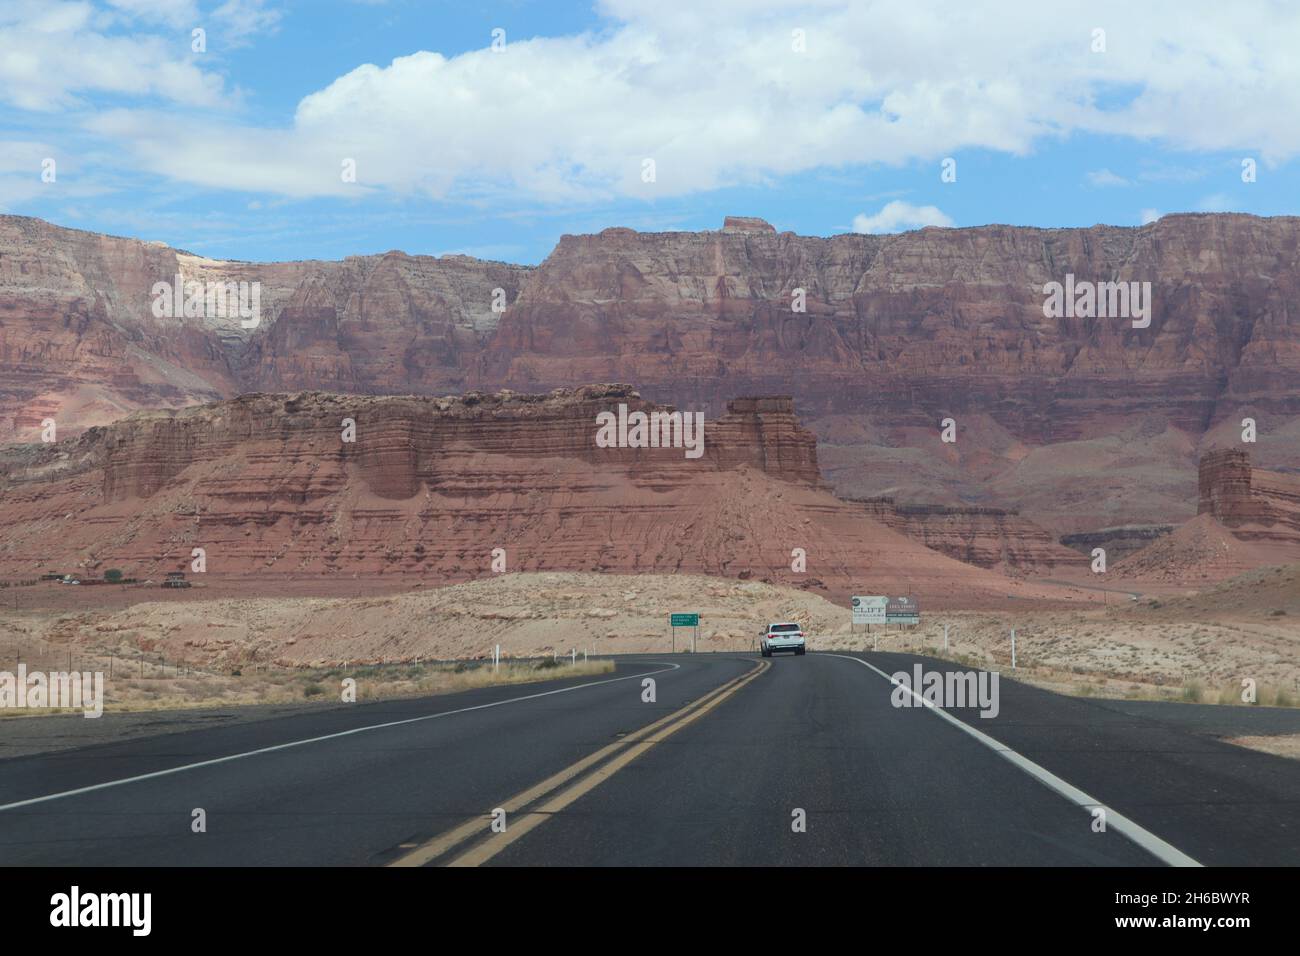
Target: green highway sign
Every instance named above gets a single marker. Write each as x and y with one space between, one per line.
684 620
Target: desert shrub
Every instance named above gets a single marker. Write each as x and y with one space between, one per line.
313 690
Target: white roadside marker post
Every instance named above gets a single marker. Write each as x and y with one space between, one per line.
573 657
945 638
496 658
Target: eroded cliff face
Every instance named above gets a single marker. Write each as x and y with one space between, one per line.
989 537
898 332
1255 504
267 485
1118 543
79 340
918 325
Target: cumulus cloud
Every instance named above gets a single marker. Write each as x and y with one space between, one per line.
898 216
1149 216
718 94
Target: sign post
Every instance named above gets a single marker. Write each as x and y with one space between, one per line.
902 610
684 620
868 610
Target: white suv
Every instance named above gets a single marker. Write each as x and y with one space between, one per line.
782 637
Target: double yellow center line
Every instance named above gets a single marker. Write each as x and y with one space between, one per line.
580 778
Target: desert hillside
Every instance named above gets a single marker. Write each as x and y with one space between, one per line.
1245 628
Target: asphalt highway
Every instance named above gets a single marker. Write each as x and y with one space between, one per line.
737 761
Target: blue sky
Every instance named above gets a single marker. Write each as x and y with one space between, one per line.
821 117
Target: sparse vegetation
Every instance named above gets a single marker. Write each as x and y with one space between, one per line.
289 685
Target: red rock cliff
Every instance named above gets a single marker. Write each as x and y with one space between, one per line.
266 485
898 332
1255 504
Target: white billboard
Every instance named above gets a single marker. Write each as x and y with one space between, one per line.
870 610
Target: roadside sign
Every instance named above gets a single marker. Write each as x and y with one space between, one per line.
870 610
902 610
684 620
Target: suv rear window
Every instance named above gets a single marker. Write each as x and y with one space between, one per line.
782 628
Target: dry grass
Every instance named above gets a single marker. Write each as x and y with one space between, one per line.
373 682
1171 649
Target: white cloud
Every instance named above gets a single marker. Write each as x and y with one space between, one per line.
898 216
713 93
1104 177
24 156
22 174
175 13
1149 216
53 53
242 20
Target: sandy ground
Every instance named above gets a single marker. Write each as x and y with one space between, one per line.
1283 745
1194 648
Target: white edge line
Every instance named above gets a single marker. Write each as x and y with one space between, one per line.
1163 851
311 740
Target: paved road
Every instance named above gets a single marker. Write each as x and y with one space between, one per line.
714 772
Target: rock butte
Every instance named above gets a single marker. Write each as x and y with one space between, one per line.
266 485
1246 517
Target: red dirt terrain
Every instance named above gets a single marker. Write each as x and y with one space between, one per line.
266 485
